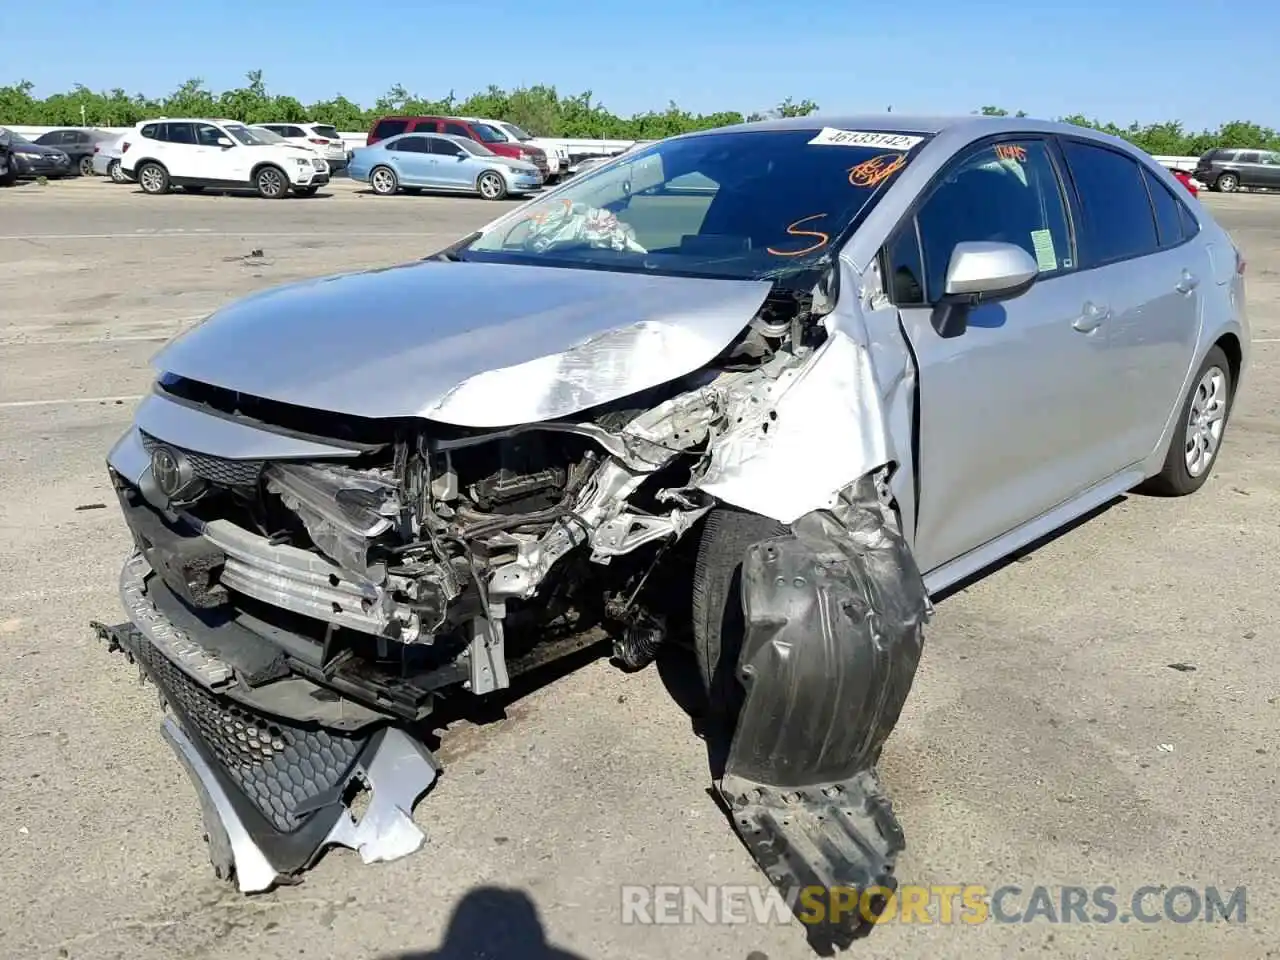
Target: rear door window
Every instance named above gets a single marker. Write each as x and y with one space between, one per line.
426 126
458 130
1118 220
1169 229
390 128
413 145
183 133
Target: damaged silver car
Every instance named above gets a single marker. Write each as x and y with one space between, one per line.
763 389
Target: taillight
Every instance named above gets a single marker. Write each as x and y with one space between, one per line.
96 148
1240 264
124 147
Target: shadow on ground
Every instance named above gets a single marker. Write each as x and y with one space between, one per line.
492 922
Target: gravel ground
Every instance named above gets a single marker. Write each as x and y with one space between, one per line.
1047 741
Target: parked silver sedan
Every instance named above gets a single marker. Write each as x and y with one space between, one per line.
768 388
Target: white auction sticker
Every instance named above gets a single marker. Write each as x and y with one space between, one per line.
831 136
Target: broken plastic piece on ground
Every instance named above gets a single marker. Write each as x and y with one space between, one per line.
274 794
839 837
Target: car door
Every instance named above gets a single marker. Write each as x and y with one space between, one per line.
1269 169
216 162
455 168
1132 242
181 155
413 161
1009 409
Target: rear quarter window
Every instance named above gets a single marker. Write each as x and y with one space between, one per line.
1118 219
149 131
1167 209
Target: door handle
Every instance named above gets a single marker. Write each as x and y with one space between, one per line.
1091 317
1187 283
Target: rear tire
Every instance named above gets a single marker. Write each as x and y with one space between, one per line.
491 186
86 166
384 181
115 173
153 178
1198 431
271 182
1227 183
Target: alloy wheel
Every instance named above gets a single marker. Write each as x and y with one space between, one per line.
383 181
1205 421
270 182
151 179
490 186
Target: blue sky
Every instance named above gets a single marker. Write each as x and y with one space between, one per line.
1126 60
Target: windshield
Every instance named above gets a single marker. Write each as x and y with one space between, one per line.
15 137
324 130
246 136
267 136
747 204
488 134
518 132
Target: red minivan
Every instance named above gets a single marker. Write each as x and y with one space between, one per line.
495 140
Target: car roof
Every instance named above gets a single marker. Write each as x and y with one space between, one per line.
920 124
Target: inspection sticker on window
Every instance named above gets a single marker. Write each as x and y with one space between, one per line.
1046 256
833 137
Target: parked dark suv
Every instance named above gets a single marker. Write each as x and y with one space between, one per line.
1230 169
495 140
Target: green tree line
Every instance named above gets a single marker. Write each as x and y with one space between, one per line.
540 109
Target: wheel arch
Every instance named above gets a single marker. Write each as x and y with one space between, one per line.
1229 343
257 168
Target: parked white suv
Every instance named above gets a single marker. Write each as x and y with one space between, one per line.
222 154
557 156
321 137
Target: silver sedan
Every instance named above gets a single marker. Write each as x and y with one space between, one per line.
769 387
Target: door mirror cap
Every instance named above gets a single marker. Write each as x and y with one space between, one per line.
225 142
983 271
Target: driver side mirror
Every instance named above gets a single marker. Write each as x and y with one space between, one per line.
225 142
981 271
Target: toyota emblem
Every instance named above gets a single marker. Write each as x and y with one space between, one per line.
167 466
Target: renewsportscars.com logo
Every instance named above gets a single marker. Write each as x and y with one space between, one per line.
968 904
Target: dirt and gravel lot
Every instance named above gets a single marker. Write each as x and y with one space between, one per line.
1047 742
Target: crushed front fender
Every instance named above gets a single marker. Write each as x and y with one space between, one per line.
835 616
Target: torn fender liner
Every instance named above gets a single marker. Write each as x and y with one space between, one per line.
275 794
835 618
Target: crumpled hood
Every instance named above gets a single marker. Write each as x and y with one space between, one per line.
472 344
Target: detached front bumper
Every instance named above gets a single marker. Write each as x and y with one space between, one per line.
274 793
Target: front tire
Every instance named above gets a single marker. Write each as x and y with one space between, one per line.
718 619
271 183
1228 183
491 186
384 181
1198 431
153 178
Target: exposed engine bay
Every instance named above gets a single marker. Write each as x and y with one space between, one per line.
296 608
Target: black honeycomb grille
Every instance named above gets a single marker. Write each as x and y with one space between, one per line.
280 768
219 470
